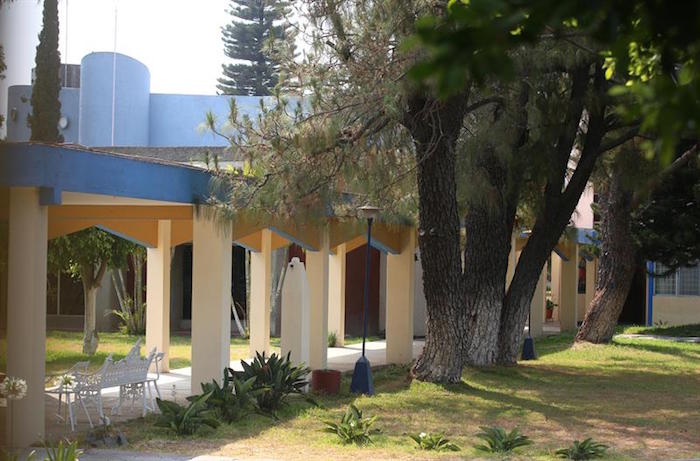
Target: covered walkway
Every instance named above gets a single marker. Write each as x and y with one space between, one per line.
47 191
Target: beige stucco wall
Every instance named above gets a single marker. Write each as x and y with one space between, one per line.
676 310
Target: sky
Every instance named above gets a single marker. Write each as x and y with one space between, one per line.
178 40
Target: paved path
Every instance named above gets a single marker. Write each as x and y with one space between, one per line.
678 339
119 455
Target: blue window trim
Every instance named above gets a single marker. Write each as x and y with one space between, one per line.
651 267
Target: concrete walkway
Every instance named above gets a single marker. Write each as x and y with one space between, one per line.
119 455
678 339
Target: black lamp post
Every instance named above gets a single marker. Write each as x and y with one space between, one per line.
362 382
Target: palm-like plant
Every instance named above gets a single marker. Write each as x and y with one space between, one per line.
436 442
353 428
186 420
275 379
588 449
498 440
232 400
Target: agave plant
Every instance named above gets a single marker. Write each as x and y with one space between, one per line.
588 449
436 442
275 379
186 420
498 440
353 428
232 400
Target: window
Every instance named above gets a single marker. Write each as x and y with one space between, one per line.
689 281
684 282
665 285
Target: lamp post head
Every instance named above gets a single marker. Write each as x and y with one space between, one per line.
368 212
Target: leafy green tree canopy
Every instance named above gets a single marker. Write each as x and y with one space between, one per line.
651 49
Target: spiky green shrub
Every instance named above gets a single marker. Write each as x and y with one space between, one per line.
435 442
588 449
186 420
276 378
498 440
232 400
353 427
332 339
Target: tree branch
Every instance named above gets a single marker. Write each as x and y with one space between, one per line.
613 143
663 175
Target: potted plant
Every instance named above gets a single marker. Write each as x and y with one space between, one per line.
325 381
550 309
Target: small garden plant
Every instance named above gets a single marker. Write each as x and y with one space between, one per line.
353 428
332 339
186 420
232 400
498 440
588 449
64 451
275 379
436 442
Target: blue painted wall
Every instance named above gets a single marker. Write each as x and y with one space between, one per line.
19 103
141 118
176 119
131 100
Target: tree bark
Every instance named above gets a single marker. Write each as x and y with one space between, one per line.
90 338
435 126
559 203
616 264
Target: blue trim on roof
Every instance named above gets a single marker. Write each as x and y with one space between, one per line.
292 239
586 236
63 168
651 269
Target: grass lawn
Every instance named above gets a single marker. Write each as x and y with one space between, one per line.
64 349
677 331
641 397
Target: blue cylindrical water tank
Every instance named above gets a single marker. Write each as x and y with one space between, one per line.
114 100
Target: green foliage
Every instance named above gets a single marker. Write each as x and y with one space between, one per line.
232 400
648 54
332 339
353 428
186 420
588 449
436 442
64 451
666 227
88 254
498 440
275 378
258 28
3 67
132 319
46 107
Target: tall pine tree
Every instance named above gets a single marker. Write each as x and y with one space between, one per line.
46 107
254 23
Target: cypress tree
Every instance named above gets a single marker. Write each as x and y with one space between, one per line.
46 107
254 23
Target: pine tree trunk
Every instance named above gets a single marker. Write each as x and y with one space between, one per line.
488 227
435 127
616 265
90 338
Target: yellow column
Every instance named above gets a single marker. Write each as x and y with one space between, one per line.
211 299
260 292
26 316
158 294
317 273
400 276
556 279
537 305
336 293
568 290
512 260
